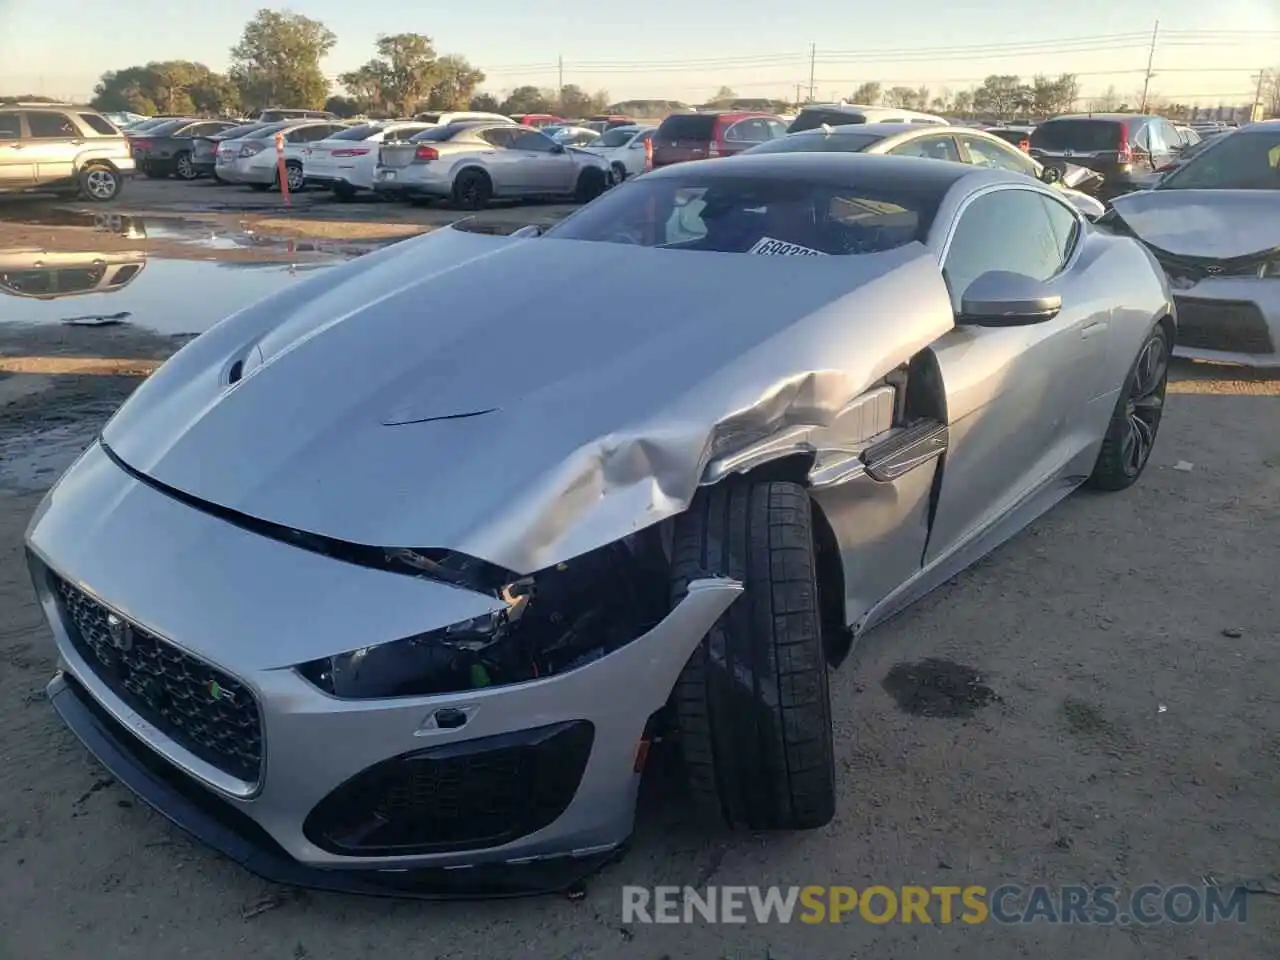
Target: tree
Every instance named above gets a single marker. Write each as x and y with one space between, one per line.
725 93
576 102
366 87
963 102
1000 94
456 82
1271 94
1106 103
902 97
344 107
407 69
169 86
277 61
868 94
527 99
486 103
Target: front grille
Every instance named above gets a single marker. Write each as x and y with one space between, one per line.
1235 326
465 795
202 709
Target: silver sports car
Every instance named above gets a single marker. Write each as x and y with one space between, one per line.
402 569
1214 225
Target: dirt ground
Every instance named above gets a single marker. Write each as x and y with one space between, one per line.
1133 736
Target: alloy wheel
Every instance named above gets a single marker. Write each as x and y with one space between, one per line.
1145 405
185 168
295 179
100 184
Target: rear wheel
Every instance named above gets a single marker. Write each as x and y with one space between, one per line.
752 706
294 176
591 183
472 190
1131 435
183 166
100 183
619 172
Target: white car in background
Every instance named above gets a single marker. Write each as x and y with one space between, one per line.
253 160
623 147
568 135
345 162
461 116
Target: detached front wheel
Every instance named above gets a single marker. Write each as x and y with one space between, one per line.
752 706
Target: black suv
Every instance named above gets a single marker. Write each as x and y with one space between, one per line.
1126 148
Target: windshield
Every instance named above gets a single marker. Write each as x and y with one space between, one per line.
168 127
1240 161
241 131
754 215
617 137
817 143
1086 136
362 131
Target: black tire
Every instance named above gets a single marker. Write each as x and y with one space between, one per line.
343 191
591 183
472 190
293 170
752 708
100 182
1131 435
619 172
183 167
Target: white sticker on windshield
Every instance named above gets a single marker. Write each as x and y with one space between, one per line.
769 247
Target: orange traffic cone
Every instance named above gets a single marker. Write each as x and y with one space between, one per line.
648 154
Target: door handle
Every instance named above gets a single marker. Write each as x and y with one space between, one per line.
76 143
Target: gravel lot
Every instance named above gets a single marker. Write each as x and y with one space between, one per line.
1130 641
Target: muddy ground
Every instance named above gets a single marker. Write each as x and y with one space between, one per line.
1132 736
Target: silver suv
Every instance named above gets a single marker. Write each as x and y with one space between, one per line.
61 148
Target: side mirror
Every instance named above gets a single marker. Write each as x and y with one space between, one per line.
557 148
1050 174
1002 299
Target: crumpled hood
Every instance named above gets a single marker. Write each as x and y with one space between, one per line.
1217 224
442 393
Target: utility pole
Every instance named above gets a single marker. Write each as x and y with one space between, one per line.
1151 57
1256 113
813 59
560 68
797 96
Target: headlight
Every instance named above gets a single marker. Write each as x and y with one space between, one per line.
550 622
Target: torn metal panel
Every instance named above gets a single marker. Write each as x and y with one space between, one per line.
1218 224
602 419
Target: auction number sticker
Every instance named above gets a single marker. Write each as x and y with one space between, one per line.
769 247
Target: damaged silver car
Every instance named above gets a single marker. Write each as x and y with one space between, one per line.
1213 223
375 594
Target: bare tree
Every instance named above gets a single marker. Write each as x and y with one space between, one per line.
1107 102
868 94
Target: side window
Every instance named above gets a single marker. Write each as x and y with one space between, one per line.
499 138
202 130
748 131
95 123
1143 139
309 134
1006 230
532 140
936 147
776 128
1169 133
984 153
1066 227
10 126
51 126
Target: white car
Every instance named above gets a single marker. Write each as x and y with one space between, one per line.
345 162
623 147
253 160
841 114
461 116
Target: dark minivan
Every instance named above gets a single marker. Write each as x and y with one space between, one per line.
699 136
1126 148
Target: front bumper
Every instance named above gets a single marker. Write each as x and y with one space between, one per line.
234 599
1232 320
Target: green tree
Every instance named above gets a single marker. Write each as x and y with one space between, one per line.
456 82
1000 95
401 76
277 61
527 99
574 102
366 86
485 102
344 107
962 103
169 86
725 93
868 94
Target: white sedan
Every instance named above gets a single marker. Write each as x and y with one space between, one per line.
623 147
346 161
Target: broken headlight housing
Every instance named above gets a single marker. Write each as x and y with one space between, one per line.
553 621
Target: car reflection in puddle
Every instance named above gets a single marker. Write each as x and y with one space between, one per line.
203 273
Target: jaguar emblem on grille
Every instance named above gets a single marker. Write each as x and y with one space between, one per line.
120 633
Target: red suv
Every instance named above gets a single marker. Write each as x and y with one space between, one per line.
697 136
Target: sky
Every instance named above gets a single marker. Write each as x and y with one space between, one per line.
675 49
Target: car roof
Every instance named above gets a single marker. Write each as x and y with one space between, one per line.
1261 126
880 129
1115 117
835 169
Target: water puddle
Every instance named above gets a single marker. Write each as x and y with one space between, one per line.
938 688
171 276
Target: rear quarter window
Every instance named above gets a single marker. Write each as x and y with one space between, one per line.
687 127
99 124
1085 136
